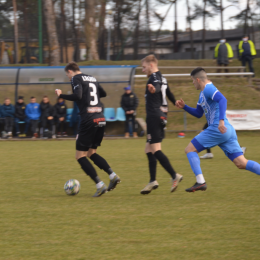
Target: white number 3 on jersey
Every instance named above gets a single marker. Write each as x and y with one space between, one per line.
93 93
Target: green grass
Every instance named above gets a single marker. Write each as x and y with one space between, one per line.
39 221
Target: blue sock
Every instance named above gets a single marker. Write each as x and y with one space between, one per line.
253 167
194 161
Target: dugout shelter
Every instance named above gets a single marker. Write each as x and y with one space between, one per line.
40 81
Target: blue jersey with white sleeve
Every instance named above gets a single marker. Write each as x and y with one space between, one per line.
209 106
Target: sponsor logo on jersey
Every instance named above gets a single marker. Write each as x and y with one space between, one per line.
164 80
94 109
154 76
88 78
75 87
97 120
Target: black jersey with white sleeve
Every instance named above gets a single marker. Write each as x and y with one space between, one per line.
156 103
86 92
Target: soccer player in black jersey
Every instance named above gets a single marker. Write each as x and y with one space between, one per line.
87 93
156 109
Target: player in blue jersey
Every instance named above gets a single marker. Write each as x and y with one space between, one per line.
219 132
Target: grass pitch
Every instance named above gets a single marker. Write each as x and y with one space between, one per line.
39 221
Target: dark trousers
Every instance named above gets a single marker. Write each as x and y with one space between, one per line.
45 122
130 118
61 125
9 124
249 60
220 65
17 125
33 124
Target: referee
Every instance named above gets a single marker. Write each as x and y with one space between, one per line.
156 109
87 93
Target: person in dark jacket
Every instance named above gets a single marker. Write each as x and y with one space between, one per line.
33 114
8 115
47 114
223 54
247 52
19 115
60 116
129 103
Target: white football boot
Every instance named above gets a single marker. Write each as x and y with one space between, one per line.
207 156
176 181
149 187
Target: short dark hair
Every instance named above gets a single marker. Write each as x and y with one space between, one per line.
72 66
32 97
196 71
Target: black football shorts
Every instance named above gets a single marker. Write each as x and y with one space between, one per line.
155 130
90 135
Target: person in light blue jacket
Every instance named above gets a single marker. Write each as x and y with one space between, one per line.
7 111
33 114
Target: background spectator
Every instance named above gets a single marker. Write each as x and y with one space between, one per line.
129 103
8 115
47 116
223 54
60 115
19 114
247 52
33 114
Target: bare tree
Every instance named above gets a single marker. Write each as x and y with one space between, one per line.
189 19
199 11
52 33
90 30
15 32
75 32
136 32
101 30
148 24
63 30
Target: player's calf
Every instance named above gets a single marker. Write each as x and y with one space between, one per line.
103 165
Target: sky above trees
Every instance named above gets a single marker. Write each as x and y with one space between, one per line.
212 23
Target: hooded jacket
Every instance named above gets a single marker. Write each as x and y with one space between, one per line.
33 111
7 111
20 111
129 101
60 110
46 110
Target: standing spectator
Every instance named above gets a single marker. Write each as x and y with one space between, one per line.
47 115
247 52
60 114
33 114
8 115
129 103
223 54
19 114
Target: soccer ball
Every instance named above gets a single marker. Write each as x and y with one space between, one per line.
72 187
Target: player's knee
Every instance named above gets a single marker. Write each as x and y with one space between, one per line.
240 165
187 150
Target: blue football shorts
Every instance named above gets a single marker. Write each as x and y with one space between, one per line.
211 137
